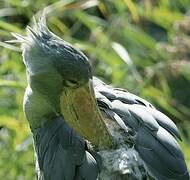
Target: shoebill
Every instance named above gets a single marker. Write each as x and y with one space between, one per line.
84 129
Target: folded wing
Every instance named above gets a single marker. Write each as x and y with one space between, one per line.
154 134
62 154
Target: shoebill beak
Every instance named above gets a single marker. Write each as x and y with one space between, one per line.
80 111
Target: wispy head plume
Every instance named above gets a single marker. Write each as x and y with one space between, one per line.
40 44
40 37
36 33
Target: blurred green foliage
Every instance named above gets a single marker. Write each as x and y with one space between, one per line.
141 45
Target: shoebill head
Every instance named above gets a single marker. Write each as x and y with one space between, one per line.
62 74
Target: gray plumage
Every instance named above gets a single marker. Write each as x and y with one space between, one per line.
62 154
53 66
154 134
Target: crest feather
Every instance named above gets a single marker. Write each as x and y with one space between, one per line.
35 34
18 38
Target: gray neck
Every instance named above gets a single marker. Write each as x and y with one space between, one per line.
38 108
42 96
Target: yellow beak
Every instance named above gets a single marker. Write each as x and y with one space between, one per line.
80 111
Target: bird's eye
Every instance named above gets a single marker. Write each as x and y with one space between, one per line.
71 83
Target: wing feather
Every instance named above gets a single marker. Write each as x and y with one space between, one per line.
62 154
156 134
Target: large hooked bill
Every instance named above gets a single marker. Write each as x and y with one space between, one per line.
80 110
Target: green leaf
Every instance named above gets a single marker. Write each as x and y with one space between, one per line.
12 84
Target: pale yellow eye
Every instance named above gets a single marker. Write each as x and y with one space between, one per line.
71 83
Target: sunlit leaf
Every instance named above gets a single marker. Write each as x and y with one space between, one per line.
9 27
132 9
13 84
